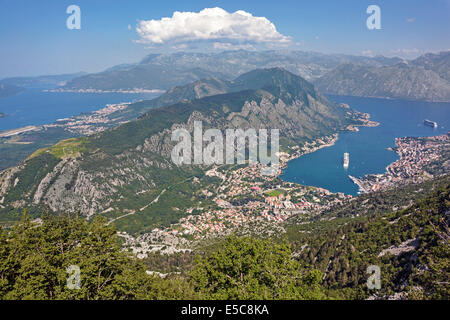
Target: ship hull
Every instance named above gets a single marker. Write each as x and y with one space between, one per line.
346 160
429 123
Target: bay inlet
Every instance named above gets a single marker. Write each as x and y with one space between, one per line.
36 106
367 148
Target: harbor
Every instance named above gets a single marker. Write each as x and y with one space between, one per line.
368 148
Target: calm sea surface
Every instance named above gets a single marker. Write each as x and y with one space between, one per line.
368 147
36 107
322 168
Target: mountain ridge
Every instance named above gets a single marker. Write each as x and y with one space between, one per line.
39 81
400 81
163 71
122 167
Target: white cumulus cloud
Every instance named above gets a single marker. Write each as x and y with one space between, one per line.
214 24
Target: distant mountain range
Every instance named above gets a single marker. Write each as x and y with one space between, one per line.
425 78
163 71
439 63
138 77
12 86
120 167
40 81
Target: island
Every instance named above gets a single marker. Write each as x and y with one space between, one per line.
2 115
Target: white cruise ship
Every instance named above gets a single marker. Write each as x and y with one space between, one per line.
346 160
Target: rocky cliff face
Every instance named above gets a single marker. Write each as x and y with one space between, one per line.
401 81
437 62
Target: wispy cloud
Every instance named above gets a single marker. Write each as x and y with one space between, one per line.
367 53
216 25
410 20
407 53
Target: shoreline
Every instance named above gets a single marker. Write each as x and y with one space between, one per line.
358 182
68 123
284 162
17 131
127 91
407 169
334 137
101 112
388 98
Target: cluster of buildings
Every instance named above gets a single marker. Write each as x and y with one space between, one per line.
415 155
87 124
419 159
245 196
162 241
209 223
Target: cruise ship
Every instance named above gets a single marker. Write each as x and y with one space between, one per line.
346 160
430 123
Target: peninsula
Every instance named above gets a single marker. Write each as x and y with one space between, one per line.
420 159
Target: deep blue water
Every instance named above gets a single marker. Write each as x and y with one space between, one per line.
36 107
367 148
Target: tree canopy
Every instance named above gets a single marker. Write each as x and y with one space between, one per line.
38 260
247 268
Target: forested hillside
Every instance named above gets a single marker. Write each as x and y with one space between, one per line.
410 246
38 259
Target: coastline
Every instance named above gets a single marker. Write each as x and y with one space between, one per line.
331 142
83 123
420 158
389 98
358 183
297 154
17 131
135 90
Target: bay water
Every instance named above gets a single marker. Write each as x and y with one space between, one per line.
368 147
35 106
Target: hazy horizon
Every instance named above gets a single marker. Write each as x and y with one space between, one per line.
40 43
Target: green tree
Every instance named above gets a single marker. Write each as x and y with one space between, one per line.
36 255
247 268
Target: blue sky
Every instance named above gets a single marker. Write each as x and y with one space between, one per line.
35 40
